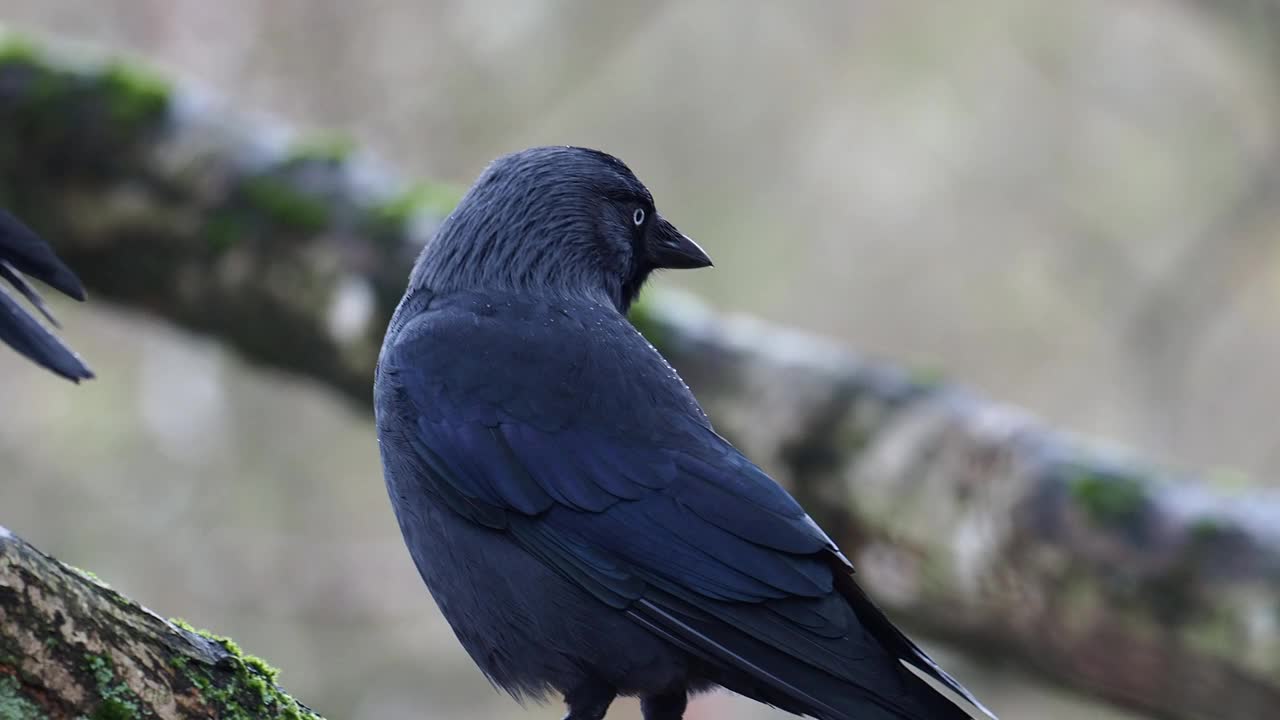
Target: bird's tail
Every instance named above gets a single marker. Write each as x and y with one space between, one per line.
899 644
736 658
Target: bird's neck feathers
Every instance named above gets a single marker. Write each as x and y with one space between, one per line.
478 251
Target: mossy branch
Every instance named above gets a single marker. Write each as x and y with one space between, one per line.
71 647
977 524
968 520
283 246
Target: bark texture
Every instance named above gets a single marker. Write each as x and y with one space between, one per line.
71 647
968 520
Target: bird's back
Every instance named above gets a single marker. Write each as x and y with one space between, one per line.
555 432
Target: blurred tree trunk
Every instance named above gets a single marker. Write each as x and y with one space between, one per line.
969 521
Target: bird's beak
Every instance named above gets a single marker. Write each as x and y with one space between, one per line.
669 248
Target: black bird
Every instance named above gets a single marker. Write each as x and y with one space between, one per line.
22 252
578 521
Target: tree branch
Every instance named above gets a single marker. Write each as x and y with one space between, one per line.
968 520
70 647
979 525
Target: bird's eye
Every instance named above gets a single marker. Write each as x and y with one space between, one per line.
638 216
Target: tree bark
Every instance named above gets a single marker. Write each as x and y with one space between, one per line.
969 521
71 647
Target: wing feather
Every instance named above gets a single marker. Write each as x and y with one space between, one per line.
22 251
629 493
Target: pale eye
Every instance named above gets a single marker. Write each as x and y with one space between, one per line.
638 216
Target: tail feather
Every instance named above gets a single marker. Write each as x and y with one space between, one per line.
897 641
741 662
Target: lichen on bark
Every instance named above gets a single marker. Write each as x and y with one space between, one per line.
71 647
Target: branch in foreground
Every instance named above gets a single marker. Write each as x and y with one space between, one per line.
966 519
70 647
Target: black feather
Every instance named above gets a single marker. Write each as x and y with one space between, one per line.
566 499
22 252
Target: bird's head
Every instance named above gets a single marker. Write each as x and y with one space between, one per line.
555 220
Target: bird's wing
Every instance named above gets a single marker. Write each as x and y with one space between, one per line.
32 256
24 333
22 252
574 436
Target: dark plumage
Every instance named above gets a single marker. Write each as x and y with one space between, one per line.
23 253
580 524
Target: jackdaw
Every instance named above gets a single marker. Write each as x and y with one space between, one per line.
22 252
580 524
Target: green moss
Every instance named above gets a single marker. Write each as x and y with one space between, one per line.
62 111
114 710
642 317
326 147
44 83
1207 530
250 693
47 90
134 95
118 701
1107 498
16 50
88 575
395 214
13 706
225 229
282 204
927 377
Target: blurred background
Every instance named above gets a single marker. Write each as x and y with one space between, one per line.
1073 207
